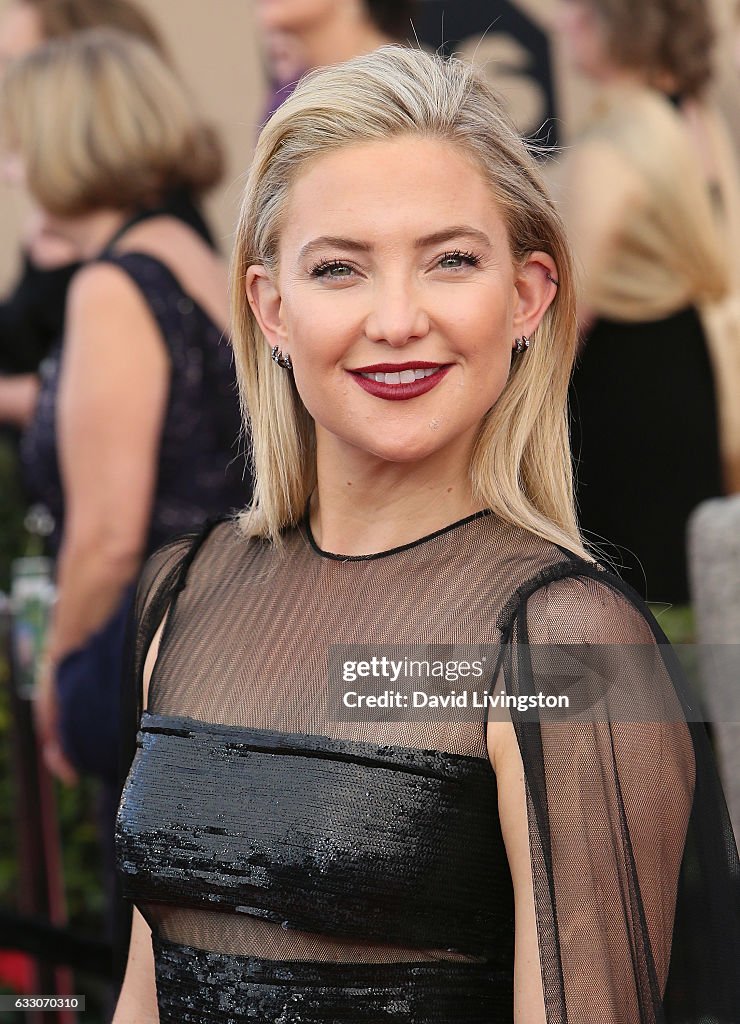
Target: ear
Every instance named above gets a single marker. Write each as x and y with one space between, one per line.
535 282
266 304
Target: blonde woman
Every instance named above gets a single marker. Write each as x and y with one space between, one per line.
651 197
404 329
32 315
133 438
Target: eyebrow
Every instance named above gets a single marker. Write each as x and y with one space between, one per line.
436 238
456 231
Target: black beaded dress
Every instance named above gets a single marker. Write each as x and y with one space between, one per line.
296 868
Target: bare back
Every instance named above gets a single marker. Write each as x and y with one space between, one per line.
200 271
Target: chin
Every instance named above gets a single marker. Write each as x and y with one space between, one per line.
405 450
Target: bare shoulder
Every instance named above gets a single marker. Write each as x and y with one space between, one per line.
107 319
97 285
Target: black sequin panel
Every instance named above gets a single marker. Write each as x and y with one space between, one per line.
344 838
199 987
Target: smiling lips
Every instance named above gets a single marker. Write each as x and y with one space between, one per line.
399 381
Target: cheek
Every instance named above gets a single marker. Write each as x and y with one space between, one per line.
320 326
576 25
317 338
480 319
488 339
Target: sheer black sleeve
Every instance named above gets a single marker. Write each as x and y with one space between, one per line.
634 864
162 576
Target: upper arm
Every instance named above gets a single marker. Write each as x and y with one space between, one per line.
506 761
112 399
151 659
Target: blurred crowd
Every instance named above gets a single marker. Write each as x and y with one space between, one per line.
116 381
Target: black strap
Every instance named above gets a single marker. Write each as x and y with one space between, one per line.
137 218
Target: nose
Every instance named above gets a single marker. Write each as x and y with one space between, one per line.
397 316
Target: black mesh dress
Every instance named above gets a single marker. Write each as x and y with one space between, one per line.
298 869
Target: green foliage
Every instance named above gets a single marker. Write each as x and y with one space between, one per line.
676 621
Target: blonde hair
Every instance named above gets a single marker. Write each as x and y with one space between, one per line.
64 17
102 122
520 466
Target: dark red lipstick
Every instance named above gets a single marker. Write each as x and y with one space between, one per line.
401 391
395 367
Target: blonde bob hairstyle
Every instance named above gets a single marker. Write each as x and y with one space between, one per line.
520 466
100 121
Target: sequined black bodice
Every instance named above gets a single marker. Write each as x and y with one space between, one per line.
297 868
319 835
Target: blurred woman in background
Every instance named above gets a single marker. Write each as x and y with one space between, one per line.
645 190
300 35
133 437
31 317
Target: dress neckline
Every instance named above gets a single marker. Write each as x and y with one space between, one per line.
306 522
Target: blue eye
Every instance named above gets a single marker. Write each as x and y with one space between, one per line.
331 269
457 259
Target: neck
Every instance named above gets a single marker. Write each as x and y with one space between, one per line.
349 34
364 504
92 232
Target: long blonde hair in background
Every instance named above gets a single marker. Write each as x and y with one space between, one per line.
520 466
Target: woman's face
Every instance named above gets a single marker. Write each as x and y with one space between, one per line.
582 32
397 299
20 33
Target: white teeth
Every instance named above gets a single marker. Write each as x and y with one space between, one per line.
403 376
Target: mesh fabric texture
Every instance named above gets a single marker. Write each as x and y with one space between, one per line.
634 865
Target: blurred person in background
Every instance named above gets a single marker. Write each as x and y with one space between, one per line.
134 434
300 35
31 317
647 192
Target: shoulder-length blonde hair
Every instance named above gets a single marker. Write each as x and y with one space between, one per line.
100 121
520 466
